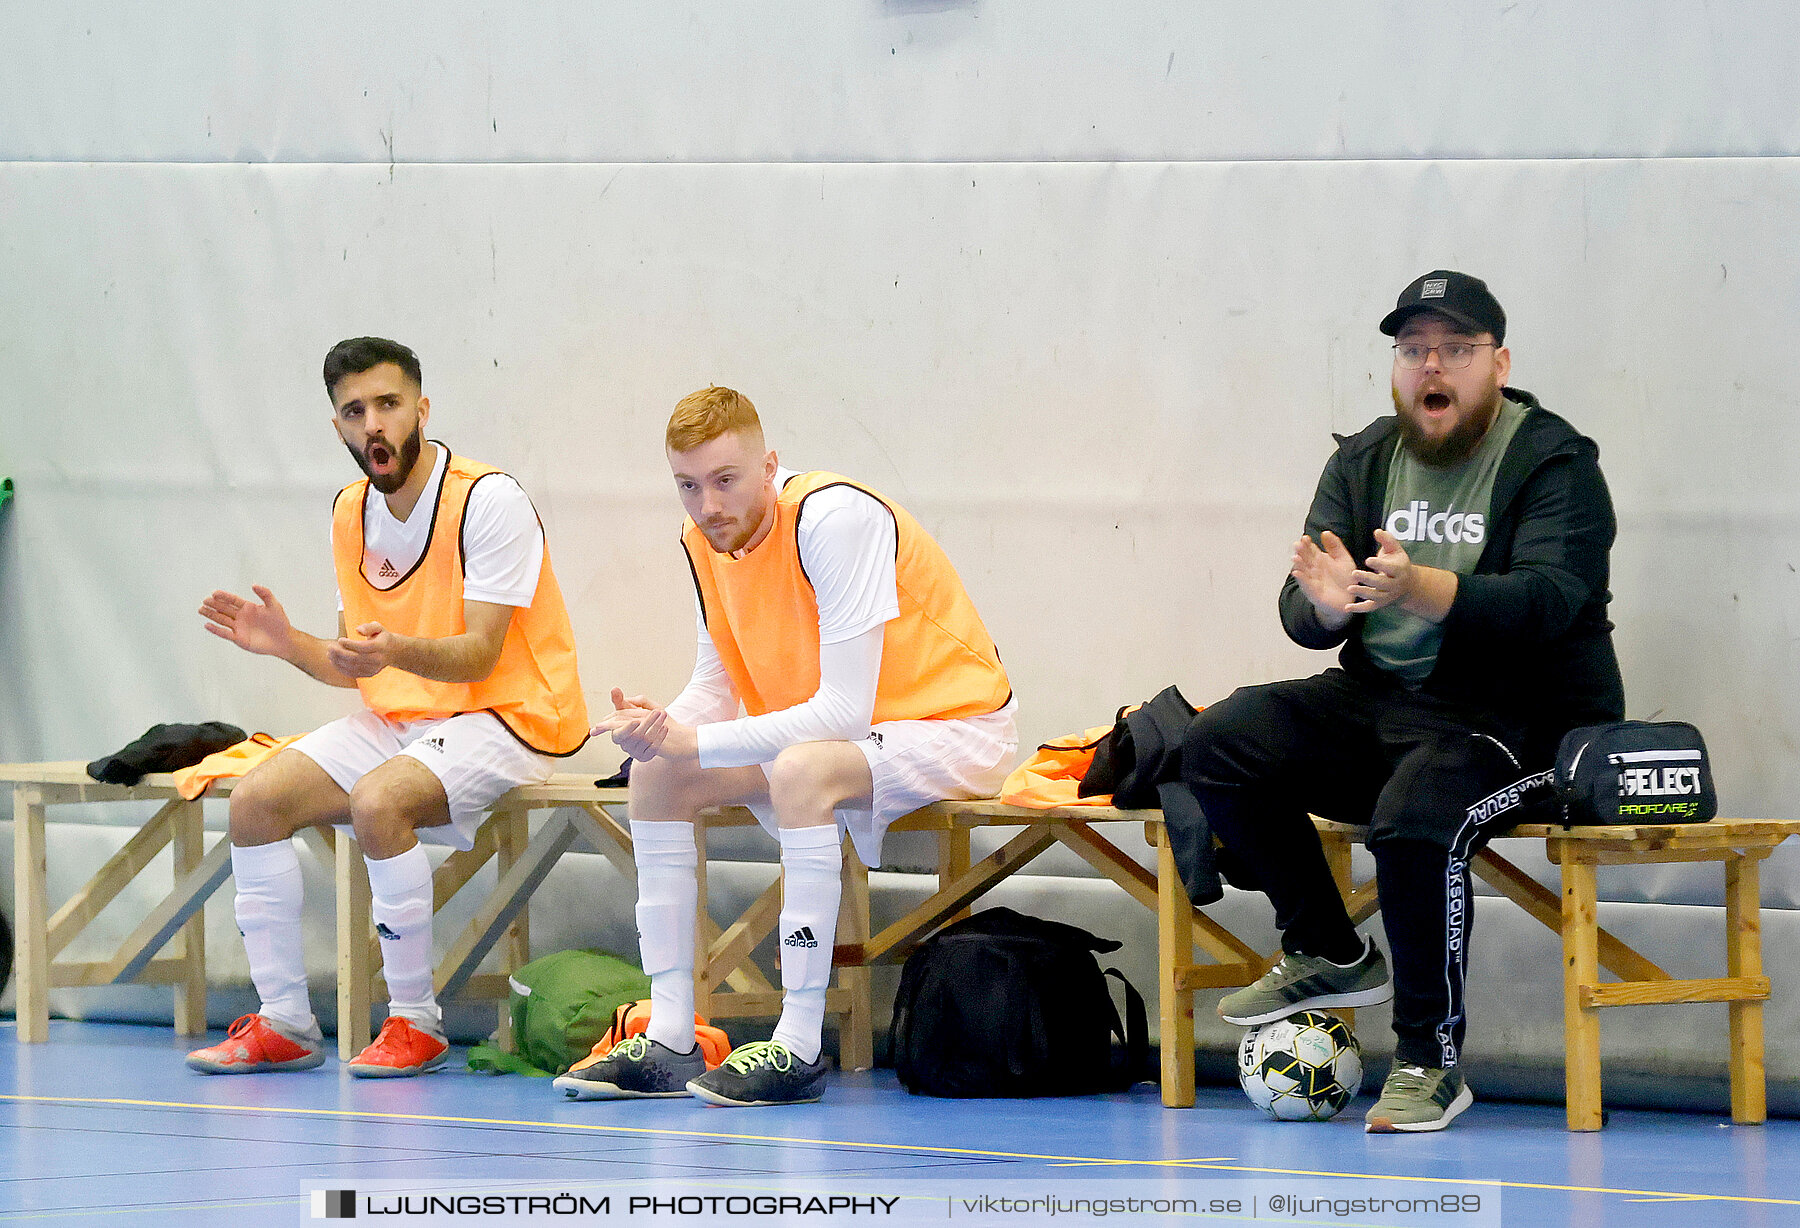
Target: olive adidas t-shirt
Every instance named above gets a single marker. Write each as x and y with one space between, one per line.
1441 518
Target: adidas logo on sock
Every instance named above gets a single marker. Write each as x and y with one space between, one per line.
385 932
802 937
388 571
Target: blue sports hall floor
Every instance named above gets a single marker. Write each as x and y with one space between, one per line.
104 1125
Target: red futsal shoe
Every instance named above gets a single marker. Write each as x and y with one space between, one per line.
403 1048
256 1044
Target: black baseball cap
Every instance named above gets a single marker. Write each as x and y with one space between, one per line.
1462 298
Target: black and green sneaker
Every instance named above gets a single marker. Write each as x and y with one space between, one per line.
1309 983
761 1072
636 1068
1415 1099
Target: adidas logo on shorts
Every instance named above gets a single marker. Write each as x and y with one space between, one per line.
802 937
436 744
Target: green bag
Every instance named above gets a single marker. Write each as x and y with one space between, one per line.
561 1006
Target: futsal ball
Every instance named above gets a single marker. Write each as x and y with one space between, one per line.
1302 1068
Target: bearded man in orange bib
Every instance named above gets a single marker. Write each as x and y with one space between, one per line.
871 688
452 627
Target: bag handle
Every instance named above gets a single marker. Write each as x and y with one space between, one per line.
1135 1032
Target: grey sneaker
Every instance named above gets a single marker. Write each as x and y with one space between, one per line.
1308 983
637 1068
762 1072
1416 1098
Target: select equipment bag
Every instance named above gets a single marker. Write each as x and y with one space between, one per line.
1635 772
1003 1004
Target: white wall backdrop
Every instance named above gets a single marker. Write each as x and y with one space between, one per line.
1085 287
786 81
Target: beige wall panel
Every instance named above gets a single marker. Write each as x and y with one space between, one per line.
893 80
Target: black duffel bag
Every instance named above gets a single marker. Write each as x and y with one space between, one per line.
1003 1004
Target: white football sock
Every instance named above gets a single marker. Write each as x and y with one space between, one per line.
812 882
668 895
400 906
269 900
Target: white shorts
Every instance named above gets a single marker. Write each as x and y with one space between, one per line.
474 755
915 763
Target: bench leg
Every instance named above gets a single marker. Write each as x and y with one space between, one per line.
1175 1003
1581 969
856 1029
1743 955
703 996
188 827
355 968
512 833
953 863
31 904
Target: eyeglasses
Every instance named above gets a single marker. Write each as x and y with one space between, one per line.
1452 355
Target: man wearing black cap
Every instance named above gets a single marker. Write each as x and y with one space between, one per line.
1457 551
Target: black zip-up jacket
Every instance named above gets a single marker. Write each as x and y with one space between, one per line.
1527 637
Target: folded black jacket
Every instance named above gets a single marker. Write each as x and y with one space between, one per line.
1139 763
164 748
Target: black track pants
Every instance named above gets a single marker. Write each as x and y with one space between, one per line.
1415 770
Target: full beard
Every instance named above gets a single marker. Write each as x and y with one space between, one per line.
388 483
1452 448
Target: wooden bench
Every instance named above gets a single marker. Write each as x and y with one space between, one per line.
1739 844
730 985
39 937
175 921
